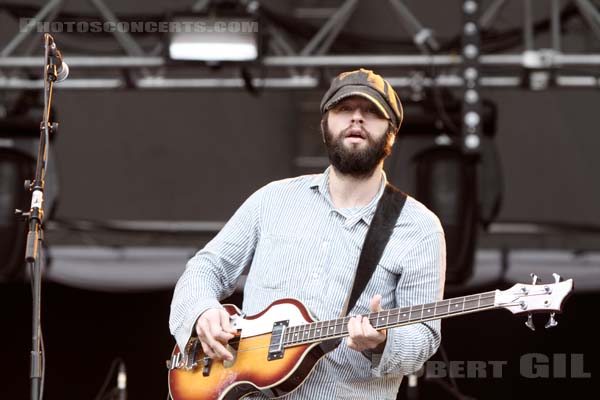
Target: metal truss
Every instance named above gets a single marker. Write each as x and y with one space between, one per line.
290 68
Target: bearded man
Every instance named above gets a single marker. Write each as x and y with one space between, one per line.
302 238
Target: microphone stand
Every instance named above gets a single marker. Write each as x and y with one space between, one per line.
35 218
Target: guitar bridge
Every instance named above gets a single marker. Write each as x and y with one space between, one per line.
175 362
192 349
186 359
276 345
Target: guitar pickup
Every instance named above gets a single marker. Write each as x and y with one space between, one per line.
276 346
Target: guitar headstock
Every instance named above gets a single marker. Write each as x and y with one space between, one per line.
536 298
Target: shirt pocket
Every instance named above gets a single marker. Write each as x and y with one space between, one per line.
280 262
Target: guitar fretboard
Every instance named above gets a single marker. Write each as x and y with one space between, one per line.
337 328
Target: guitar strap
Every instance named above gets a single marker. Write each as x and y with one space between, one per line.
387 212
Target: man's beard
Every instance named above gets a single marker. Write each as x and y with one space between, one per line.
358 163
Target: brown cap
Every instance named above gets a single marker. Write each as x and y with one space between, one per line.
369 85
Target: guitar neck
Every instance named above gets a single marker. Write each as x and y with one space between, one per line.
395 317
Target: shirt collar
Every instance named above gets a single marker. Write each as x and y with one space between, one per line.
320 182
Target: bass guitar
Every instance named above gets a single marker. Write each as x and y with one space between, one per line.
276 349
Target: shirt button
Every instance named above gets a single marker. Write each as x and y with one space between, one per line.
315 275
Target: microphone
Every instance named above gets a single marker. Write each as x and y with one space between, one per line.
62 69
122 382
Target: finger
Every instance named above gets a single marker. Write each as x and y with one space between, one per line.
204 321
374 339
216 330
198 327
355 333
354 327
375 304
209 324
220 352
370 333
216 340
206 333
351 344
370 330
224 337
202 328
354 330
207 350
225 323
367 328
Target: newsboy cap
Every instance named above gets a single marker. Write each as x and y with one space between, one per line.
367 84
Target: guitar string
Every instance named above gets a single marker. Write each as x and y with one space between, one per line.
373 319
298 344
344 321
289 340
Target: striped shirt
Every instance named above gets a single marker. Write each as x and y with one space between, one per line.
296 243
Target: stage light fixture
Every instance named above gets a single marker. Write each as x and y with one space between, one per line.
470 7
212 40
226 32
471 96
471 108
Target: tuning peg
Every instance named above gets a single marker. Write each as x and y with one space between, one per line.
557 277
534 279
529 322
551 322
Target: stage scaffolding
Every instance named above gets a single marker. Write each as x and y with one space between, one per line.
289 65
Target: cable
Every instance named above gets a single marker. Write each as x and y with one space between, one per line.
452 387
447 361
101 394
43 366
437 95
